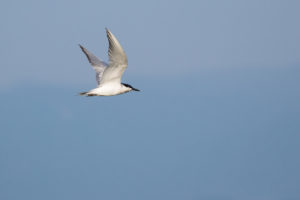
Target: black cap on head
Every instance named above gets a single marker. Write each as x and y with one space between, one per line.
127 85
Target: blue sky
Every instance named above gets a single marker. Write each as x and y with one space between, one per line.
217 118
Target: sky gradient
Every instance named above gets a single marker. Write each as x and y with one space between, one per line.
217 117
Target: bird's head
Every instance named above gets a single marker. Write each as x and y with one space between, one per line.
130 87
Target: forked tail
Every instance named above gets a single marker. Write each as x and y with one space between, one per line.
87 94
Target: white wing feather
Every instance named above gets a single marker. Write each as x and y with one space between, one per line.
98 65
117 61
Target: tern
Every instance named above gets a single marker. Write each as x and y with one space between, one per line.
109 75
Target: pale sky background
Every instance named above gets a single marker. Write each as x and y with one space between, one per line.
218 117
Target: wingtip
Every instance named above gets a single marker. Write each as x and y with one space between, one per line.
107 31
83 49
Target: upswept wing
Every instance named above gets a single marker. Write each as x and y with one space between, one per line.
117 60
98 65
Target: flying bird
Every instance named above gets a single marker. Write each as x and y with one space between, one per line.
109 75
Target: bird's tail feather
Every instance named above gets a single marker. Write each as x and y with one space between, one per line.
87 94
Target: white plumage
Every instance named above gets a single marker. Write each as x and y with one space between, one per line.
109 76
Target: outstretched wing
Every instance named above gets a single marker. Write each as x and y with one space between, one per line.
98 65
117 60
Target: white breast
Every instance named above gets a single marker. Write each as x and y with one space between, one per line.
109 89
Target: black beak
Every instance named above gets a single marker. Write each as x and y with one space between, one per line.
136 89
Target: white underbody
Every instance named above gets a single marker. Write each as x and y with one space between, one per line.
109 75
109 89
